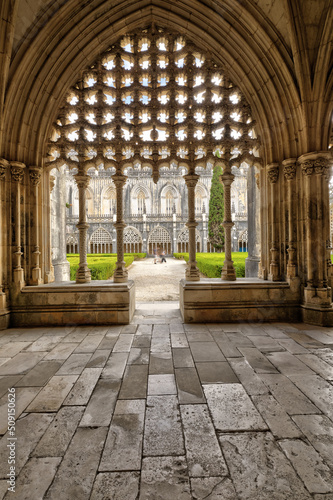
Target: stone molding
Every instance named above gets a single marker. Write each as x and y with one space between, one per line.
290 168
35 175
4 164
273 172
17 171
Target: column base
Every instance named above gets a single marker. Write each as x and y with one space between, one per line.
18 278
252 267
36 276
49 276
62 271
83 275
318 296
274 273
228 271
120 274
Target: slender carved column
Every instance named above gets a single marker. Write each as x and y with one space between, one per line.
274 268
192 272
228 270
83 274
17 171
290 175
3 168
36 273
120 274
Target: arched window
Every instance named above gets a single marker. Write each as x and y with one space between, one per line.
101 241
159 238
183 241
132 240
169 202
141 202
109 201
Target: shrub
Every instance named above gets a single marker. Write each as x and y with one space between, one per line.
211 264
102 266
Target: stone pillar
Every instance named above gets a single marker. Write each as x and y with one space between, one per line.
17 171
35 178
4 164
192 272
83 273
120 274
274 268
253 259
228 270
58 225
290 175
49 271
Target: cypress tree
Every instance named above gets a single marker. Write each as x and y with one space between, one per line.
216 210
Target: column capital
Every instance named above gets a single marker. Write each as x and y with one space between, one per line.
119 179
35 175
4 164
273 172
17 170
317 162
289 168
82 180
227 178
191 179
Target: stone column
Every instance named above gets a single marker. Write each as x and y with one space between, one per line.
35 178
274 268
192 272
3 168
17 171
253 259
228 270
49 271
120 274
83 274
290 175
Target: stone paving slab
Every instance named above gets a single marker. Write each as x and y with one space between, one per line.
24 396
164 478
116 486
213 488
40 374
51 397
189 387
319 431
101 404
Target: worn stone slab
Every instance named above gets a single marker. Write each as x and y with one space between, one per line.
108 343
199 337
123 447
3 488
76 473
274 332
75 364
247 376
61 351
204 457
161 330
206 351
160 362
266 344
195 327
118 485
189 387
40 374
292 346
178 340
76 336
83 387
36 477
257 360
213 488
232 409
7 382
259 469
51 397
160 344
116 329
216 372
165 478
304 340
182 358
141 341
45 343
239 340
317 390
285 392
159 385
278 421
176 328
29 430
115 365
56 439
21 363
317 365
134 385
124 343
32 334
319 431
321 336
288 364
163 434
308 464
324 354
138 356
98 359
4 360
90 343
129 329
144 329
227 347
23 397
100 408
12 348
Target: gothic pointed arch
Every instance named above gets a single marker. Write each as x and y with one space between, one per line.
100 241
159 238
183 241
132 240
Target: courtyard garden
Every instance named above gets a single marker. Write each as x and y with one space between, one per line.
210 264
102 265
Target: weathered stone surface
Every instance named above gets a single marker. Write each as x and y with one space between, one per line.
3 488
40 374
56 439
284 391
21 363
75 364
319 431
29 430
44 343
101 404
189 387
141 341
318 390
213 488
199 336
239 340
51 397
324 354
325 337
176 328
292 346
134 385
161 330
77 471
163 434
160 362
8 382
279 422
89 344
274 331
81 392
216 372
288 364
124 343
36 477
12 348
206 351
266 344
247 376
160 344
308 464
178 340
129 329
115 365
304 340
23 397
226 345
317 365
138 356
159 385
259 470
182 358
164 477
98 359
123 447
257 360
61 351
204 457
77 336
232 409
116 486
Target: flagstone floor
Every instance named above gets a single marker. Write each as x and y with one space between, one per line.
159 410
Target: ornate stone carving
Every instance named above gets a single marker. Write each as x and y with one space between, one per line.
321 166
307 167
35 175
17 171
273 174
290 171
4 164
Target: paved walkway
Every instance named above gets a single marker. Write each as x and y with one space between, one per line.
159 410
157 281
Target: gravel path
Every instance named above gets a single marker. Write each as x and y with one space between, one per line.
157 281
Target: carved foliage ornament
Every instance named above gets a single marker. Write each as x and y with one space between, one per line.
273 174
290 171
17 173
35 176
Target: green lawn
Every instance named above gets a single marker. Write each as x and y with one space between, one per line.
102 265
210 264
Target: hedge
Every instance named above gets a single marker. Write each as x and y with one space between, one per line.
210 264
102 266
